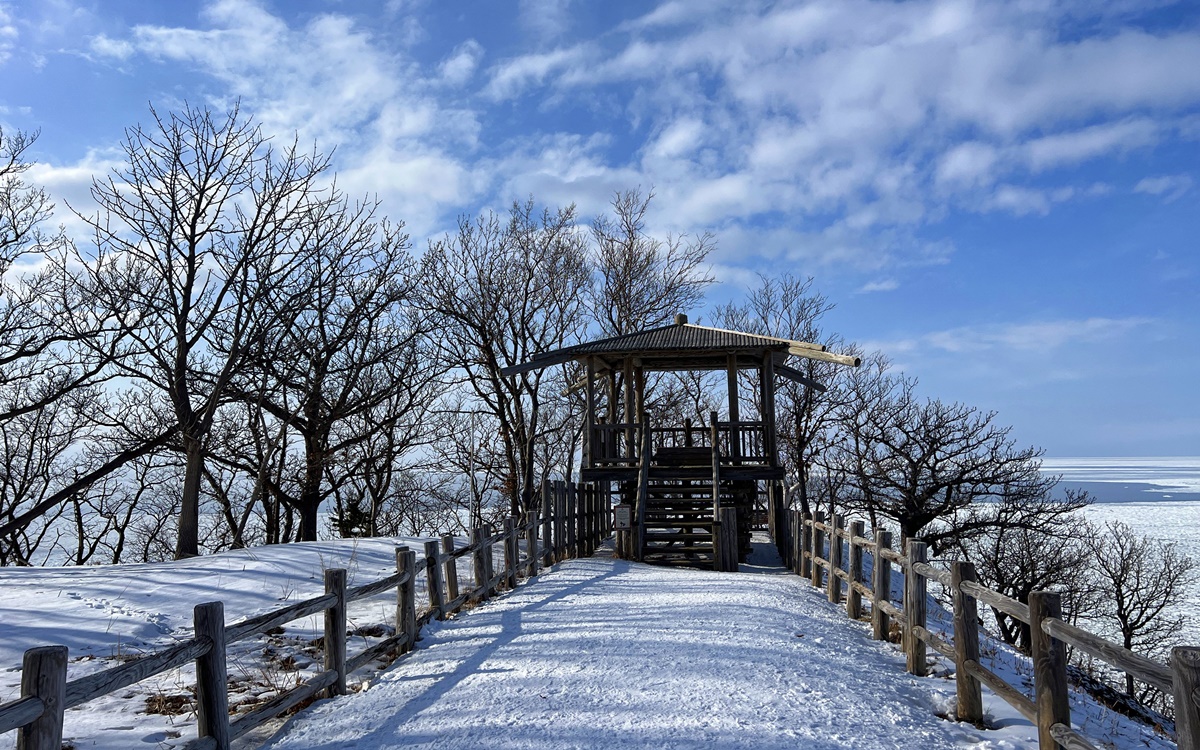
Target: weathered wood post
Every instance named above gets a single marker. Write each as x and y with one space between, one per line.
433 579
772 518
479 562
833 586
560 520
531 543
798 535
966 643
212 691
914 609
818 547
451 567
853 595
489 558
806 545
512 553
571 522
406 598
729 540
335 631
44 676
1049 668
881 585
1185 677
547 523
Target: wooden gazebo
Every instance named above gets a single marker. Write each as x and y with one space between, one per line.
674 480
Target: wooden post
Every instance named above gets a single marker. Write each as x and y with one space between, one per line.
1185 676
818 547
335 630
560 520
44 676
547 523
478 566
966 643
406 597
853 596
881 585
512 552
451 567
1049 668
914 607
799 535
833 586
589 440
730 539
731 375
433 579
212 690
806 545
571 522
531 543
772 518
489 559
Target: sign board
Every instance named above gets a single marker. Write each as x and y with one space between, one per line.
623 517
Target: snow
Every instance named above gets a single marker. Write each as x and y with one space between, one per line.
593 653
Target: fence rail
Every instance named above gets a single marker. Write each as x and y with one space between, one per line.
572 521
813 549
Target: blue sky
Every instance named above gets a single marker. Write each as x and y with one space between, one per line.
1001 196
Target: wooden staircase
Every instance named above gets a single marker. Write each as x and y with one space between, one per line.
679 525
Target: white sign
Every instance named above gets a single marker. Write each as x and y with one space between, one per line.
623 517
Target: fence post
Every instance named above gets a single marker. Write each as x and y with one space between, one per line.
560 520
805 528
451 569
44 676
335 630
914 608
406 598
881 585
966 643
531 543
833 587
571 521
798 535
1049 668
853 596
212 690
479 561
1185 676
547 523
818 547
726 552
512 553
433 579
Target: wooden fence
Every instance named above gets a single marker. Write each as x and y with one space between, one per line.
803 543
572 523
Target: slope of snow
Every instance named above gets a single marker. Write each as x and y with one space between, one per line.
593 653
606 653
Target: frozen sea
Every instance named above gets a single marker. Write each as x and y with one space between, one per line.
1157 496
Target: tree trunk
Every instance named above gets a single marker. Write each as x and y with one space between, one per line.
188 542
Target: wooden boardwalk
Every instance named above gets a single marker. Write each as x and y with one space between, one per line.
601 652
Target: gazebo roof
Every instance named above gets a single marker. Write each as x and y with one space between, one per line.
682 346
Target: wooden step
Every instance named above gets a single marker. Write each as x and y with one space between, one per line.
678 537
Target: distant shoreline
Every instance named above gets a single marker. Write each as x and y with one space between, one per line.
1129 492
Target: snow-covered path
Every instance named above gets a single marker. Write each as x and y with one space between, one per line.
605 653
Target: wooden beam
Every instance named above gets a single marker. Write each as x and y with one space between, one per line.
590 439
538 363
796 376
837 359
735 439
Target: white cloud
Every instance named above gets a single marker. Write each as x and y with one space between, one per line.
883 285
1171 187
548 20
117 49
512 76
1039 336
1076 146
8 34
457 69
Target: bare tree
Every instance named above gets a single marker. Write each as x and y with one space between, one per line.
500 292
940 471
1141 583
643 281
193 230
787 307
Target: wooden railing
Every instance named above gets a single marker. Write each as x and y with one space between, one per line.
802 543
572 523
620 444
